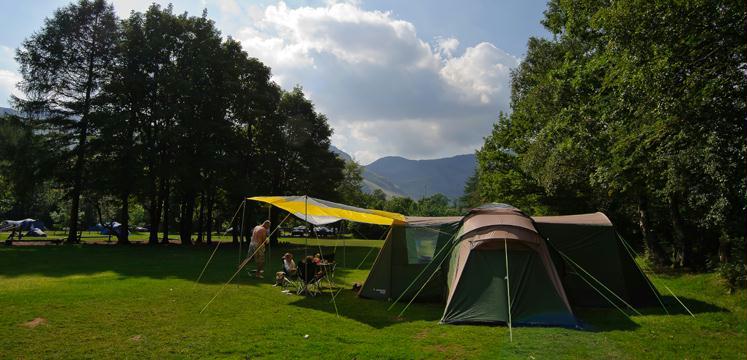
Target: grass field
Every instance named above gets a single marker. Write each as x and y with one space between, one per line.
101 301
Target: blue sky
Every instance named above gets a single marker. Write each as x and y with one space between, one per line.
419 79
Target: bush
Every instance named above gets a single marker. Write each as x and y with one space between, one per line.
734 274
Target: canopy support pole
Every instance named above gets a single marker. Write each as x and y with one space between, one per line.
241 238
241 266
241 205
331 289
269 238
508 293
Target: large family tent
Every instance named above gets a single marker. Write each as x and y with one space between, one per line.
476 263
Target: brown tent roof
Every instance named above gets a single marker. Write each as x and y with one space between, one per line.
508 216
431 220
596 218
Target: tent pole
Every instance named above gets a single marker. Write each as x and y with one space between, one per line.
241 266
331 289
241 239
593 278
372 248
648 281
679 301
508 293
421 272
218 244
306 223
269 240
435 271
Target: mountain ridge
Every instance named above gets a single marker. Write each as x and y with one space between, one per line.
399 176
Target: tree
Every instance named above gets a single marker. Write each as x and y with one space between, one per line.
63 68
636 109
349 190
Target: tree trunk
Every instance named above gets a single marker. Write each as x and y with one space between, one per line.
273 224
166 207
683 256
188 209
155 217
209 227
654 251
123 233
201 219
72 236
155 207
123 236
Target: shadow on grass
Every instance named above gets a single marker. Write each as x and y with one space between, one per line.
157 262
370 312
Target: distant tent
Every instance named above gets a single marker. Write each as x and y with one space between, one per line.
33 228
546 278
111 228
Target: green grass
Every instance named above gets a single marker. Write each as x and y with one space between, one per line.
142 302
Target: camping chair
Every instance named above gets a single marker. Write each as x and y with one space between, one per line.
290 278
308 280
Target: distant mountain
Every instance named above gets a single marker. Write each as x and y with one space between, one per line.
397 176
419 178
4 110
341 154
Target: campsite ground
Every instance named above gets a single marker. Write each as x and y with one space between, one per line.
99 301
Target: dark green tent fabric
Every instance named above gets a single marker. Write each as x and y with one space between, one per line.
480 294
592 243
406 252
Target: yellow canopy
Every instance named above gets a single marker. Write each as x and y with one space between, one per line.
321 212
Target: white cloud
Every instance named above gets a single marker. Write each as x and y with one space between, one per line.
481 74
8 81
447 46
9 76
385 90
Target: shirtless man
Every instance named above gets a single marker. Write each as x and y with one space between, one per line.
256 246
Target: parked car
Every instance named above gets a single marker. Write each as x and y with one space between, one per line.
299 231
323 231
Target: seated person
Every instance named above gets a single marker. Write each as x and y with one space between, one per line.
289 269
317 258
289 266
310 268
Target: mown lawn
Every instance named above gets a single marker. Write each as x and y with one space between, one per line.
101 301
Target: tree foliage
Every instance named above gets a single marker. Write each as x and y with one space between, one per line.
164 119
635 108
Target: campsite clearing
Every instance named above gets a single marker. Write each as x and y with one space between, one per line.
139 301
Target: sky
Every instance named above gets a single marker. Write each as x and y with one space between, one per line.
418 79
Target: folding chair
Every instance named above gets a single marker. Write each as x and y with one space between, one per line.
308 281
290 278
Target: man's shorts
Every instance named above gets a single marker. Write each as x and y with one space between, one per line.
259 255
